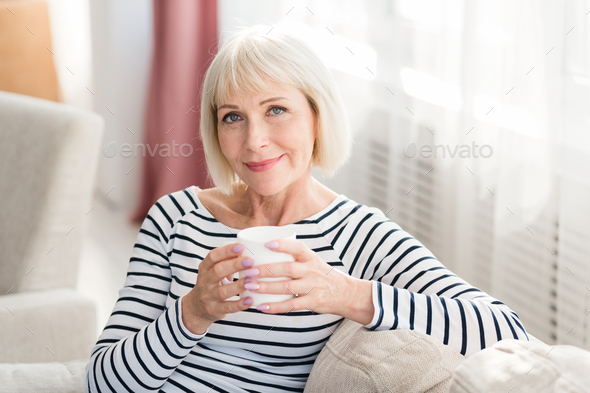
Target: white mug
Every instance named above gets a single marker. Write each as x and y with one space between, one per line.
254 239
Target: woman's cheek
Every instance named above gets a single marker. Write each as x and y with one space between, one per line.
225 143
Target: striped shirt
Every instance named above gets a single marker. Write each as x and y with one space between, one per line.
146 347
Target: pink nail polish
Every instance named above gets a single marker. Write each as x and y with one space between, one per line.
272 245
238 248
248 262
248 301
251 286
251 272
249 279
263 307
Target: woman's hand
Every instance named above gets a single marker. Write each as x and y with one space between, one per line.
206 302
321 287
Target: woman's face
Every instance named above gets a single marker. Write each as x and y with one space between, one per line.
278 123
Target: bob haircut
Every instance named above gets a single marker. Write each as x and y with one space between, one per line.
244 64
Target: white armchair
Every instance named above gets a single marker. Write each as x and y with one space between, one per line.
48 159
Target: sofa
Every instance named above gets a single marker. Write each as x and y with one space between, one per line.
48 160
393 361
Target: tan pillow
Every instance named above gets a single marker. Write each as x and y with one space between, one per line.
524 366
356 359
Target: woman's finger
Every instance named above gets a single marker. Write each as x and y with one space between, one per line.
228 279
294 247
226 291
221 254
295 304
300 287
233 306
228 268
283 269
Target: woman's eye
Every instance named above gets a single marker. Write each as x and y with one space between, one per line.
277 110
232 116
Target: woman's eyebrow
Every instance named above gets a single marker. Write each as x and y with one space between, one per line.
273 99
261 102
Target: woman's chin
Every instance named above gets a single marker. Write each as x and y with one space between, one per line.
265 187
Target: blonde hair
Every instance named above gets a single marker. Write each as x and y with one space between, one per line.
244 64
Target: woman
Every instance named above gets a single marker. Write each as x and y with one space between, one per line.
271 111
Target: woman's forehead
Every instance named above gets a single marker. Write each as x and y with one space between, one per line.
273 91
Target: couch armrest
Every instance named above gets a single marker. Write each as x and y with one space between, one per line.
398 361
67 377
524 366
51 325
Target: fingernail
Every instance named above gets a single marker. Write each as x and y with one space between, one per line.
251 272
263 307
238 248
248 301
251 286
248 262
249 279
272 245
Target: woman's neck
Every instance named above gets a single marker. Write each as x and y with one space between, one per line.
292 204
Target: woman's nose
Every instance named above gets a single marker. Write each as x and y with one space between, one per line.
256 136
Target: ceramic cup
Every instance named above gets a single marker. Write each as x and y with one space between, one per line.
254 239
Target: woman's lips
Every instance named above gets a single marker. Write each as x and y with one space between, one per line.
264 167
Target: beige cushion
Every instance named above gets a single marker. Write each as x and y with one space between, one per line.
356 359
67 377
524 366
51 325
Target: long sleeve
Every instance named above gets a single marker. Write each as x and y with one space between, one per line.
411 289
144 341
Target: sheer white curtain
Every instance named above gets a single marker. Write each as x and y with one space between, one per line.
573 292
472 131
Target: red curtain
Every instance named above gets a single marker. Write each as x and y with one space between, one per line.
185 40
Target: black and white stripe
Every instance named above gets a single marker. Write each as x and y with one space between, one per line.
145 346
